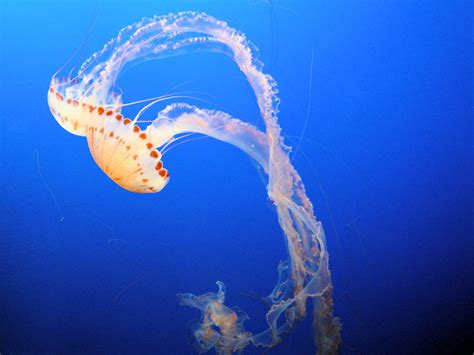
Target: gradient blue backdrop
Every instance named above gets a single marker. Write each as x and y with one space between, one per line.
386 159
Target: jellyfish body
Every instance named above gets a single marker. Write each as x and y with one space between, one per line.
125 153
72 114
88 106
119 147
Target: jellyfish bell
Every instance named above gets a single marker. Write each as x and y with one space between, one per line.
67 112
119 147
125 153
73 108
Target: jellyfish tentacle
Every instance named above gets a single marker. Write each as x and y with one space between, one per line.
181 118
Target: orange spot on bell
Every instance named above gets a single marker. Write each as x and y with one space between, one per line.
149 145
143 136
159 165
100 110
126 121
154 154
136 129
163 172
110 113
119 117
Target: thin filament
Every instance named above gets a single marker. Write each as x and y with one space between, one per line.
36 154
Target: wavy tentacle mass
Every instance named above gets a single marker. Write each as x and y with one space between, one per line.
130 157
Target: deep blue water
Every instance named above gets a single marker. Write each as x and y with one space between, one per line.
386 158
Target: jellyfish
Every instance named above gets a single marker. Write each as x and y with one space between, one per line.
87 103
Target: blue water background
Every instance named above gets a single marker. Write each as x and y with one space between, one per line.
386 158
